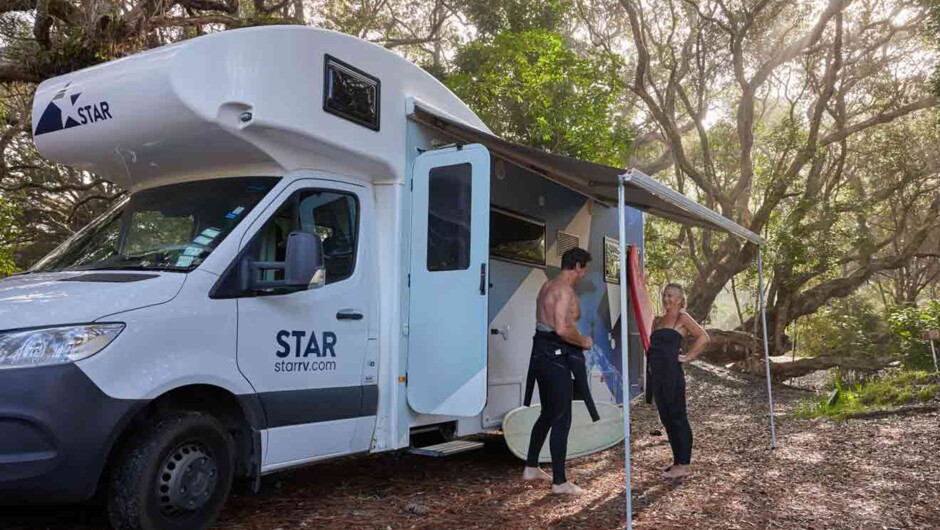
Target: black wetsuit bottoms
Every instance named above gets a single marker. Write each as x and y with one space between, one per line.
552 365
667 380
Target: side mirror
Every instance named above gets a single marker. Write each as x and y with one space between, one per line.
304 259
303 266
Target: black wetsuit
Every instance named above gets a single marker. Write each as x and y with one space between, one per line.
552 364
667 381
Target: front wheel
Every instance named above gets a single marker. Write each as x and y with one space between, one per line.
174 475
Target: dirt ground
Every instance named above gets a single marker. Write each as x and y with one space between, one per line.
860 474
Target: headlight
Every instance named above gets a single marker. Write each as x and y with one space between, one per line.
42 347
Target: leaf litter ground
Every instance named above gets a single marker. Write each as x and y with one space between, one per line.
857 474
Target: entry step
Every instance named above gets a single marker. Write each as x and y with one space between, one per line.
447 448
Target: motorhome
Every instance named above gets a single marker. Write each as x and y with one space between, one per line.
322 252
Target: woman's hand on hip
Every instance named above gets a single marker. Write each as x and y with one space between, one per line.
685 358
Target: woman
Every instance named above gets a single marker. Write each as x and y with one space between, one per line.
667 380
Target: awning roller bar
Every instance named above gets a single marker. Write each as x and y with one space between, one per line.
641 180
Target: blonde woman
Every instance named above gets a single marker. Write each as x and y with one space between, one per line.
667 379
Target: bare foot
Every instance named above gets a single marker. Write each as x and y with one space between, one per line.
534 473
568 488
678 471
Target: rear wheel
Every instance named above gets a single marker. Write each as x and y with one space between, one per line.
174 475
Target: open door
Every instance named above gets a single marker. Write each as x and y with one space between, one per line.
449 281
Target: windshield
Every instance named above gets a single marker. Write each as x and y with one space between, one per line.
170 228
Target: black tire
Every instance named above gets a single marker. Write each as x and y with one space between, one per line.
181 449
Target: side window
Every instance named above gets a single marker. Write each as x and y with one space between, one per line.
449 206
516 238
331 215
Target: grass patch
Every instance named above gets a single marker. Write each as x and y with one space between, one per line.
894 390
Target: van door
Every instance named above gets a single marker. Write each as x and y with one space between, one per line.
303 351
448 295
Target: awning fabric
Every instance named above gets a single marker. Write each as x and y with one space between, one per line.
593 180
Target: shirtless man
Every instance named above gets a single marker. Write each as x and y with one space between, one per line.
557 354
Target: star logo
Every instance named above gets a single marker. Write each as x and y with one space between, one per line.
67 107
64 112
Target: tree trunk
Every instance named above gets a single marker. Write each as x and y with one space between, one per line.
721 270
788 370
744 352
906 410
728 347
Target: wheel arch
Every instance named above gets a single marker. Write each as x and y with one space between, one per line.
242 415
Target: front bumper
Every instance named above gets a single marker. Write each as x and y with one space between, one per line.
56 430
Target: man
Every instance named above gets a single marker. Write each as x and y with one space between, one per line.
557 354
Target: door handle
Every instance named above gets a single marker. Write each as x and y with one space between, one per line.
349 314
483 278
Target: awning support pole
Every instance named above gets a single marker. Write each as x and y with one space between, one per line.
625 347
763 317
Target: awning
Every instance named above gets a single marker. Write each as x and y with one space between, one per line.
593 180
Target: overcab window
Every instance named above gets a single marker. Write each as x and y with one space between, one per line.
350 93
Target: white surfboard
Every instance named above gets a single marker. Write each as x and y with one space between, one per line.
585 437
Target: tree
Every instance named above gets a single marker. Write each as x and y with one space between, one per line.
492 17
933 30
906 284
9 230
919 270
530 87
50 202
44 38
422 31
763 106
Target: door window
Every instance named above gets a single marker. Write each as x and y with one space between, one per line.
331 215
449 204
335 218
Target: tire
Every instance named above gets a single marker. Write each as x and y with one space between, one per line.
191 453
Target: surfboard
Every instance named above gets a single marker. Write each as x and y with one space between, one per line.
642 305
585 437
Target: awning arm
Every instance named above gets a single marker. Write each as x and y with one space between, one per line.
641 180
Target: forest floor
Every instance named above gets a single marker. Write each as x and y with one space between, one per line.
855 474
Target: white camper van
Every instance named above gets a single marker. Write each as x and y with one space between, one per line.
323 251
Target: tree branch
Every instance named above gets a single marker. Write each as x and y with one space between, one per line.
808 39
188 22
884 117
394 43
11 72
662 118
654 166
210 5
